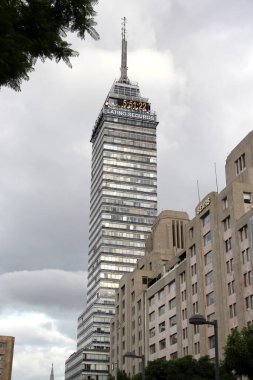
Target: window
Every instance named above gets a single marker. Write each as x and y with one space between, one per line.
232 310
247 278
162 327
185 351
185 333
211 342
182 277
195 307
240 164
173 320
173 338
172 286
2 344
206 219
247 197
207 238
211 317
151 301
245 256
161 294
144 280
152 332
172 303
183 295
133 296
210 298
174 355
231 287
226 223
243 232
196 348
139 305
229 264
194 269
194 288
1 357
225 203
228 244
193 250
208 257
152 349
152 316
196 329
161 310
191 232
184 313
162 344
209 278
249 302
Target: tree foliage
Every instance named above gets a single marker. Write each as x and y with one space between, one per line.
37 29
184 368
238 353
121 375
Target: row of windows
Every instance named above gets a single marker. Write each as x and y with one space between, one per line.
130 165
124 218
131 135
129 150
134 227
119 194
127 178
128 142
134 207
129 172
129 157
128 187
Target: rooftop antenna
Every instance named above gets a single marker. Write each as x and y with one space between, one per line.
123 69
216 177
198 189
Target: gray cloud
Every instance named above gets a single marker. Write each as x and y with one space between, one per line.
51 291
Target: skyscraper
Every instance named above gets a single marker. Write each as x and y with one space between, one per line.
123 206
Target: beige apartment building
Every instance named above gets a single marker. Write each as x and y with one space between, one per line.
199 266
6 356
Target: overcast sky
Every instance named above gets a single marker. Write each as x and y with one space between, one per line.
194 60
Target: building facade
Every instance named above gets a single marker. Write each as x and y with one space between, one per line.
211 275
123 207
6 356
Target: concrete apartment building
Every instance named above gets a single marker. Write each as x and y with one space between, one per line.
199 266
6 356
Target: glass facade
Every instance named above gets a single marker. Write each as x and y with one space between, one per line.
123 206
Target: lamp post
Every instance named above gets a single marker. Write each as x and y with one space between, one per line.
142 357
198 319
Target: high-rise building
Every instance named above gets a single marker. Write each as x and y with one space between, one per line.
123 206
6 356
199 266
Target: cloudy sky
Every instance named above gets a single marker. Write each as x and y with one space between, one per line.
194 60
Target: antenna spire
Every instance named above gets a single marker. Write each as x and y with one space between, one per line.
123 69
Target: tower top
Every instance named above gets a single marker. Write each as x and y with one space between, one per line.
123 69
52 372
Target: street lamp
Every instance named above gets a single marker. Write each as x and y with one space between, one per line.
142 357
198 319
